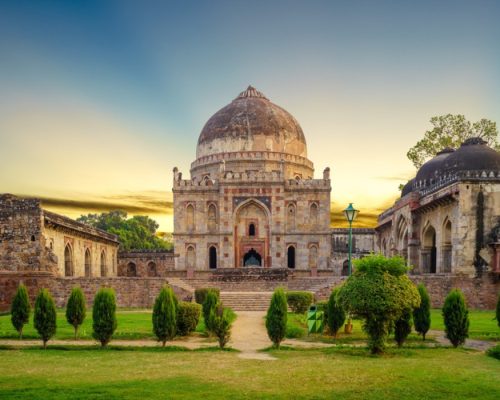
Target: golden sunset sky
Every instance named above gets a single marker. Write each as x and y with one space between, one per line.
100 100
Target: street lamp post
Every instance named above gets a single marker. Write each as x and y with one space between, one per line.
350 214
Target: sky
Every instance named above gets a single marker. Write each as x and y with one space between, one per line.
100 100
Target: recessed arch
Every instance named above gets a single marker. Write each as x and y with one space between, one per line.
68 260
88 263
152 270
104 268
290 257
313 256
131 270
429 249
190 218
313 214
212 218
447 246
212 257
190 257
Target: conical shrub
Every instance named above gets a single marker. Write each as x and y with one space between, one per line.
276 318
402 327
336 314
165 315
422 314
209 305
104 315
76 309
456 318
20 309
45 316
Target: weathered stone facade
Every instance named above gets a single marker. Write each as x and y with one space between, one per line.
363 243
252 199
145 263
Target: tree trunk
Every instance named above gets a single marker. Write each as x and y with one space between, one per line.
164 342
45 344
76 331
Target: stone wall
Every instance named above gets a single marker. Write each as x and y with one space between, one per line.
9 281
146 263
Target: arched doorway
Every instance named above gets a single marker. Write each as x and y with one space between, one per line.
68 261
345 268
446 248
290 257
429 250
104 270
131 270
88 263
212 257
152 269
252 259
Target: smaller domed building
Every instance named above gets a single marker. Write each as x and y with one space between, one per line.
444 220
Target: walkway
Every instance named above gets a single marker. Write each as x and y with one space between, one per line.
249 335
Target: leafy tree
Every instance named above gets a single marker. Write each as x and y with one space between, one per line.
165 315
76 309
378 291
402 327
456 318
422 313
276 317
104 315
335 313
451 131
497 314
20 309
209 304
138 232
221 320
45 316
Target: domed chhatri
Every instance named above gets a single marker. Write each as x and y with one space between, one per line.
251 123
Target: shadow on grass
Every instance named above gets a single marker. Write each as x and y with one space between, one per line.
97 348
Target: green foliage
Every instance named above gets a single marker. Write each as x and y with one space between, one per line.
20 309
497 313
378 292
221 320
209 304
494 352
45 316
451 131
335 313
299 301
138 232
104 315
276 317
456 318
200 294
188 316
422 313
402 327
76 309
165 315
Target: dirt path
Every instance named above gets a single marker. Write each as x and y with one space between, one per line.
249 335
481 345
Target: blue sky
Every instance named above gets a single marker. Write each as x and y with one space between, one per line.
100 100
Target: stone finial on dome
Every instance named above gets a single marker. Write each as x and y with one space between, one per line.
474 140
251 92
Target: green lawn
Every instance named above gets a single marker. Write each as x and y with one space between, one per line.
482 326
132 324
441 373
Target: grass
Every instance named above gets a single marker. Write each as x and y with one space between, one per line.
132 324
482 327
307 374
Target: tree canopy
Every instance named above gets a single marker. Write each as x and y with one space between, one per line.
451 131
138 232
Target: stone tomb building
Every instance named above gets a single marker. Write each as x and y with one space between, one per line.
252 199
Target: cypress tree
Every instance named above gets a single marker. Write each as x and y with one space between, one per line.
76 309
209 305
20 309
335 313
45 316
276 317
221 321
422 313
165 315
402 327
456 318
104 315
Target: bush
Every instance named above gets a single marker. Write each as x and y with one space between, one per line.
402 327
104 315
494 352
299 302
20 309
422 313
76 309
276 317
208 305
201 294
335 313
379 292
165 315
323 306
456 318
497 314
188 316
45 316
221 319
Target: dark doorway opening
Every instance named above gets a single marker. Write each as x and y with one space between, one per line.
433 255
291 257
251 230
212 257
252 259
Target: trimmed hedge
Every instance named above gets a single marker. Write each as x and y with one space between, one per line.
299 302
201 294
188 316
494 352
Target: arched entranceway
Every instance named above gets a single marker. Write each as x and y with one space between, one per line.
429 250
252 259
290 257
212 257
68 261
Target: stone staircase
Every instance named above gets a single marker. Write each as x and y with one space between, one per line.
246 301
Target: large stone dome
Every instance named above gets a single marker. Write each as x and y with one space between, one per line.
430 170
473 155
251 123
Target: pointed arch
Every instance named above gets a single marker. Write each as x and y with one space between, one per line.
88 263
212 257
68 260
313 214
446 246
313 256
429 250
291 211
212 218
104 268
152 271
190 218
290 257
190 257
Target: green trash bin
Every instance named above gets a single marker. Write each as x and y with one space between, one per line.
314 320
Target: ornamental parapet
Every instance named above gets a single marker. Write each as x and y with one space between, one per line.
307 184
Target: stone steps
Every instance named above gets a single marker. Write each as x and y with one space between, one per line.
246 301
